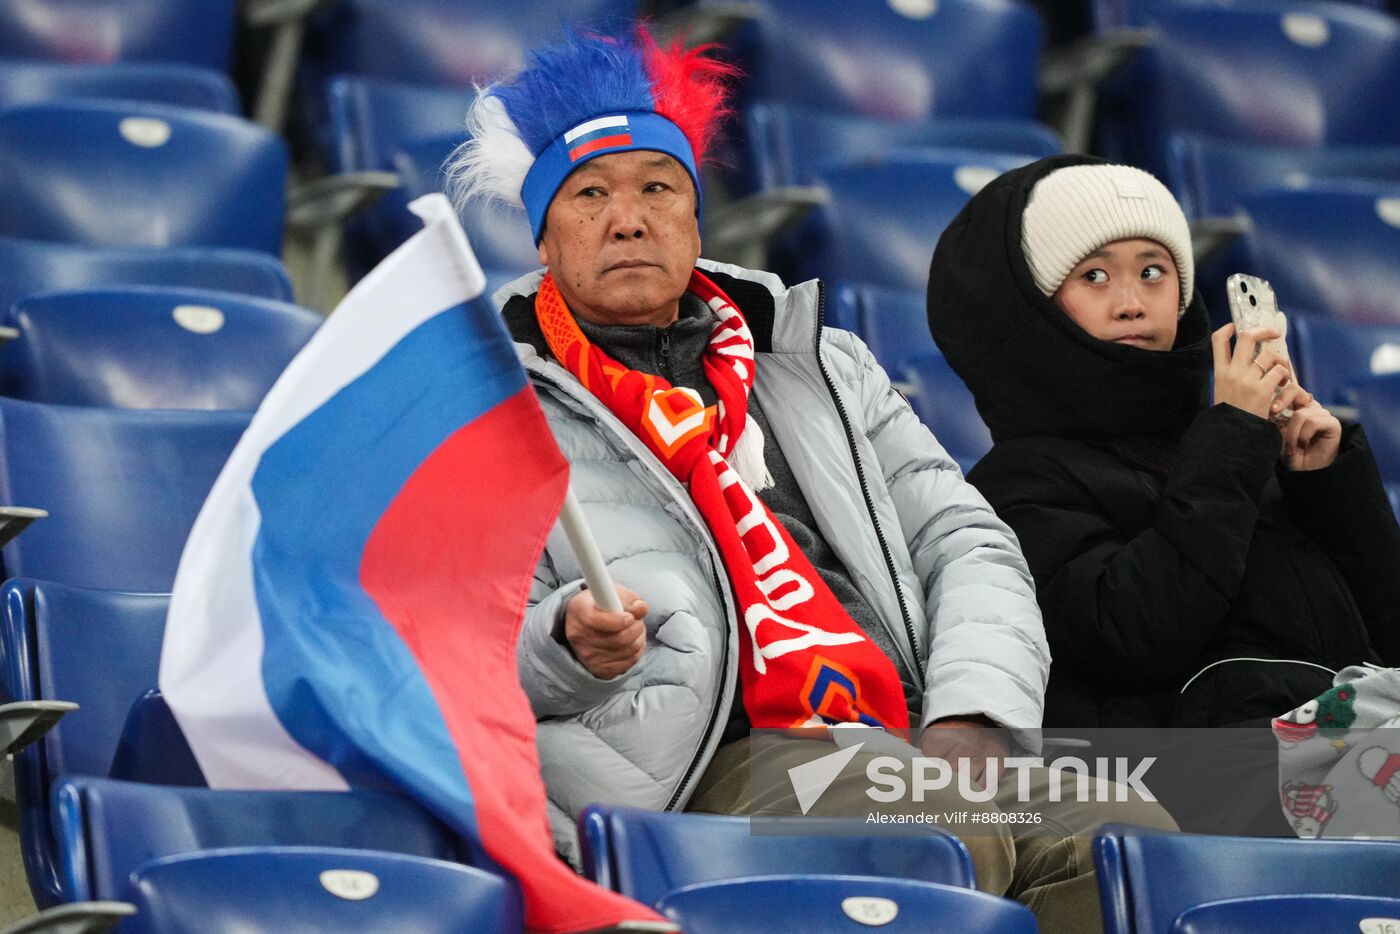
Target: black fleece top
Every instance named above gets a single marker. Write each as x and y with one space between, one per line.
1164 534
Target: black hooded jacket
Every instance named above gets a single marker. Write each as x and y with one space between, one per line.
1164 534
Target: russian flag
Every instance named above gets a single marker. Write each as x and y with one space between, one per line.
346 609
600 133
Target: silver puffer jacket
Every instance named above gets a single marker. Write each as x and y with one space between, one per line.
944 574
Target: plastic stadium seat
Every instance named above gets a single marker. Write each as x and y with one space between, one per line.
648 855
1307 74
1210 176
1148 880
458 42
29 266
370 119
152 748
1112 14
892 322
304 890
110 828
198 32
943 403
97 648
25 82
1332 358
792 145
1379 404
1289 914
898 61
1331 249
129 174
122 488
883 220
840 903
150 348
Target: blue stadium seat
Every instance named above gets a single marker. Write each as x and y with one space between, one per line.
288 889
898 61
26 82
108 828
1117 14
150 348
29 266
1332 357
1288 914
1147 879
152 747
370 119
122 488
648 855
1379 403
883 220
130 174
198 32
1210 177
943 403
1330 249
840 903
1313 73
97 648
793 145
892 322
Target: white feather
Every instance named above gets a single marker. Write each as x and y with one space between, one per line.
494 162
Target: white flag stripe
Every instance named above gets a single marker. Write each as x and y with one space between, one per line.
211 660
598 124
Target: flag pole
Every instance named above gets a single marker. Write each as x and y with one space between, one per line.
436 208
590 559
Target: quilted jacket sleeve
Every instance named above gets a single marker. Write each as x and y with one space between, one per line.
984 648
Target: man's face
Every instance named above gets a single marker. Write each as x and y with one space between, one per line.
621 238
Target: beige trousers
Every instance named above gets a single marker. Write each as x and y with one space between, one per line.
1045 862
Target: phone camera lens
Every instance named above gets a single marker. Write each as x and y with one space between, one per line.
1253 301
1244 286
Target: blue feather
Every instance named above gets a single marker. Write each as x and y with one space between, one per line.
583 77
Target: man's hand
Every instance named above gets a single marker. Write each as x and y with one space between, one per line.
973 738
607 644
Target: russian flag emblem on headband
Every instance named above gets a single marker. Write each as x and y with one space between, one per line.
601 133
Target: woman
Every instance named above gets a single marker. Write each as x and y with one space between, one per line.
1200 560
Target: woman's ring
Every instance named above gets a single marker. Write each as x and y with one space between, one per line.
1262 371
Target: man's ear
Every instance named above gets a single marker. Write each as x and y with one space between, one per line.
544 253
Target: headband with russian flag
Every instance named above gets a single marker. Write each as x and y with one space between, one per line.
590 96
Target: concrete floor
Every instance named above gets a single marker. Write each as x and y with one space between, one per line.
15 902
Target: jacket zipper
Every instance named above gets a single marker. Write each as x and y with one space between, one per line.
865 488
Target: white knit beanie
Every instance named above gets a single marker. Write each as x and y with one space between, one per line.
1076 210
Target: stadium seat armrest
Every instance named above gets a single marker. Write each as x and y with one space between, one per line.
739 230
1210 236
263 13
8 334
24 722
712 22
335 198
77 918
286 22
1069 80
15 519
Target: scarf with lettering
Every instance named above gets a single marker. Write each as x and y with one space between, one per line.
804 661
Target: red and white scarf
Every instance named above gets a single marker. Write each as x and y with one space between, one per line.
805 662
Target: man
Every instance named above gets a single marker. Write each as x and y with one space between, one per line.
799 549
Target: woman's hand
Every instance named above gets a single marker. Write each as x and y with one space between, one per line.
1244 380
1312 437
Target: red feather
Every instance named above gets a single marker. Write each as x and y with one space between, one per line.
691 88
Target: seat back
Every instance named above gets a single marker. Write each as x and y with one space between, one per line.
122 488
647 855
1118 14
40 266
109 828
1332 249
1303 75
840 903
317 889
793 145
152 748
452 42
944 403
1379 403
1211 177
150 348
28 82
372 118
199 32
898 61
1332 357
882 221
1147 879
1290 914
131 174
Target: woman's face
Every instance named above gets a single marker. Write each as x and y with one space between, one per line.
1128 292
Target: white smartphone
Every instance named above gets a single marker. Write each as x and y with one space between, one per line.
1253 305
